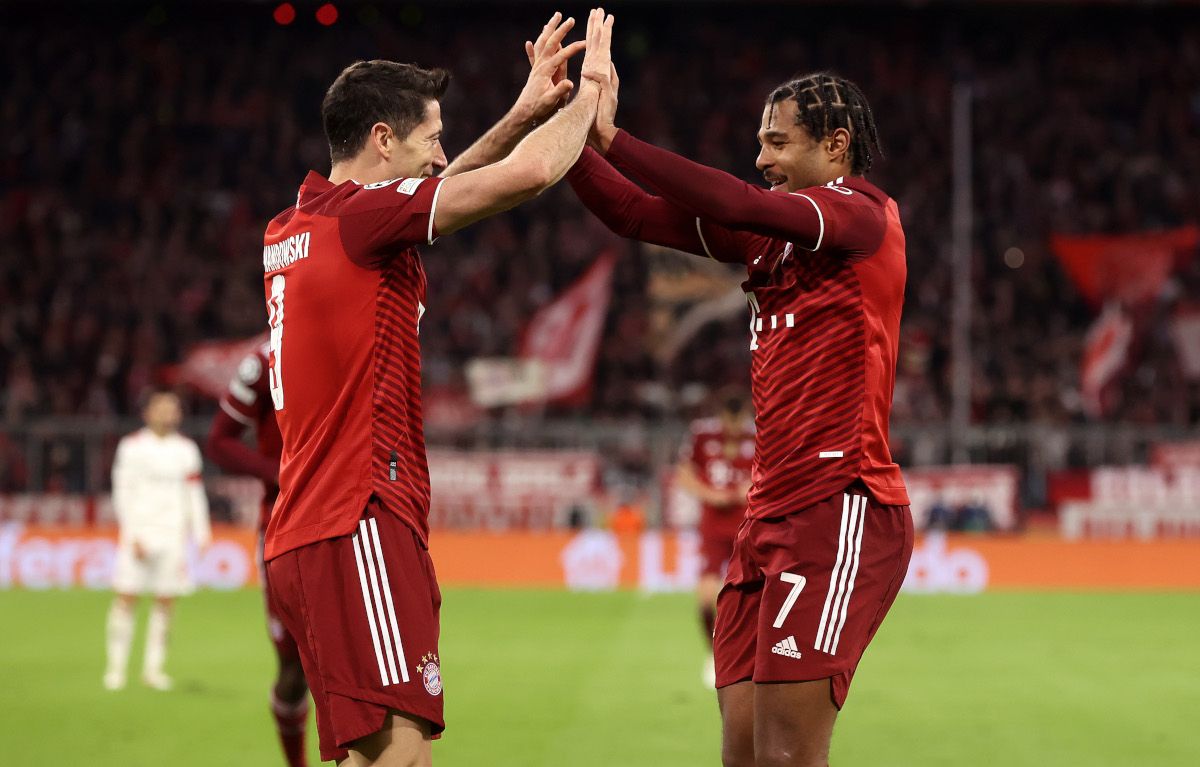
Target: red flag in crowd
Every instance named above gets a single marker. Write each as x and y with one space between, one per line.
1185 332
1132 268
1105 354
209 366
558 348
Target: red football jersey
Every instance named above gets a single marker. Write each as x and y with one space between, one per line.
248 401
345 292
824 328
722 462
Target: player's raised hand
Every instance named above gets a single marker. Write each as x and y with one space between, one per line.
548 87
597 62
604 129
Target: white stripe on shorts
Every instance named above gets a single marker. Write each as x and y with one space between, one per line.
387 596
841 579
364 535
362 579
862 522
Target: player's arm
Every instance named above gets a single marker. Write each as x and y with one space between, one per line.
197 501
688 479
123 478
814 219
541 158
629 210
225 448
239 409
544 92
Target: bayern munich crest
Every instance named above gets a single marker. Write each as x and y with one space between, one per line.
431 673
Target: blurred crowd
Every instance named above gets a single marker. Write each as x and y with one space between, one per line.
144 151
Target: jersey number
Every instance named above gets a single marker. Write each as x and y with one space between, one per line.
275 317
797 582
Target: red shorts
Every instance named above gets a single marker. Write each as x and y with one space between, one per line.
281 638
717 530
364 610
806 592
715 551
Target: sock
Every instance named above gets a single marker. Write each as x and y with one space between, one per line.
120 636
708 616
156 641
290 721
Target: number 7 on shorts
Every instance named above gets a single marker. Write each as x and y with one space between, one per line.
797 582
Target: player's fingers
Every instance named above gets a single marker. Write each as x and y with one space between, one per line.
561 57
556 37
591 29
529 54
606 32
540 44
561 90
612 76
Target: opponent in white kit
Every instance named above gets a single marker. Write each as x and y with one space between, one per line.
160 505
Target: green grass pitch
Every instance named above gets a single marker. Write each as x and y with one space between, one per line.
600 680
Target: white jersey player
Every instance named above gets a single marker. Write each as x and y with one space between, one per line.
160 506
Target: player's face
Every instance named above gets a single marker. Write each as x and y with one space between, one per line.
419 154
163 413
789 157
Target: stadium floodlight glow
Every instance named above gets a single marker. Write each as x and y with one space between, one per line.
327 14
285 13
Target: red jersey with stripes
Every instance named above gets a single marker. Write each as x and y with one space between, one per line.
722 461
824 329
345 292
248 401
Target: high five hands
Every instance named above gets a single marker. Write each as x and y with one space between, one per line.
548 86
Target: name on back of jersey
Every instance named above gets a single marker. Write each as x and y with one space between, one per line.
286 252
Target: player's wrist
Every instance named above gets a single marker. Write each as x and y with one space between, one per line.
605 135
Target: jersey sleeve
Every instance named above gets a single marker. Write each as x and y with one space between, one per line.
379 218
197 500
247 392
850 223
832 219
124 476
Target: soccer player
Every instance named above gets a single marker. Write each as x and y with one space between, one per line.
247 405
346 547
828 534
715 467
160 504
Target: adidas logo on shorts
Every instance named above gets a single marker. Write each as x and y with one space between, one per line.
787 647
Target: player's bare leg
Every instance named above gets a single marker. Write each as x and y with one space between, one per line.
157 630
706 603
404 741
289 707
793 724
119 633
737 724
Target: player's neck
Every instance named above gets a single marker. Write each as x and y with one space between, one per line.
159 432
361 170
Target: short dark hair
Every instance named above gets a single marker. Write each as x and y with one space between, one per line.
826 102
369 92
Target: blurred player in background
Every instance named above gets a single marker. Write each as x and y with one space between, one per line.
247 405
346 546
828 535
160 505
714 466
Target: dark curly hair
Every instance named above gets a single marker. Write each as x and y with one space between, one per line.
826 102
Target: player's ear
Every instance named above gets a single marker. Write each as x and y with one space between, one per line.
383 139
837 144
